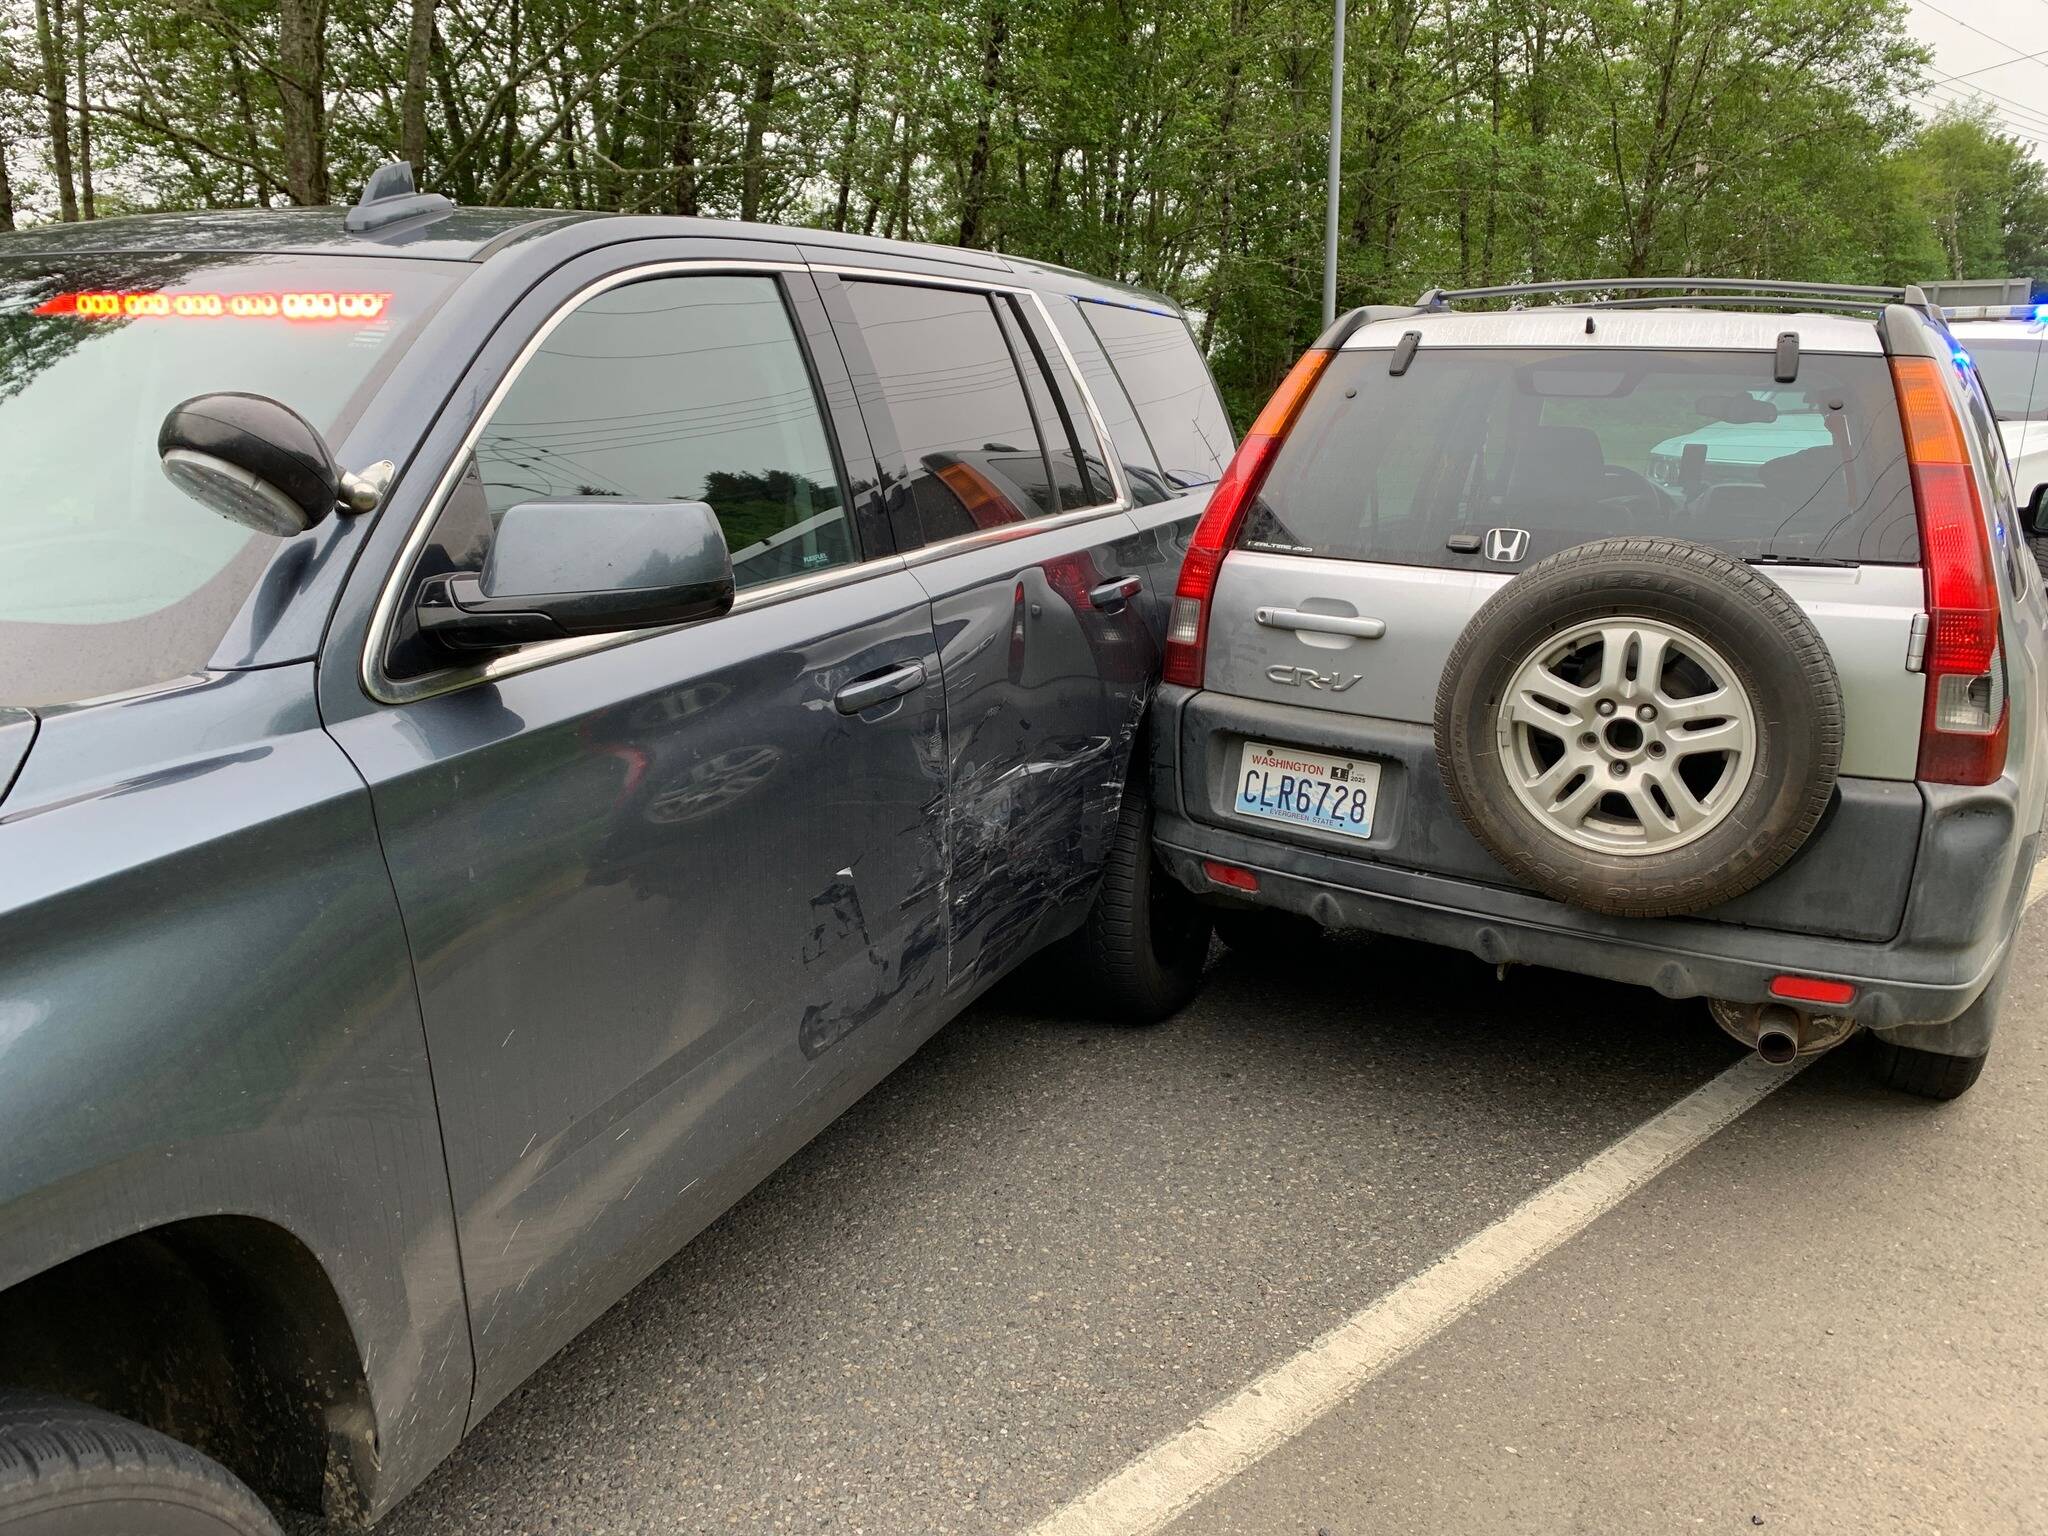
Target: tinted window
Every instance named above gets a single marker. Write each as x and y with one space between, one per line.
678 388
947 380
1579 446
2015 373
1140 467
110 578
1062 447
1166 379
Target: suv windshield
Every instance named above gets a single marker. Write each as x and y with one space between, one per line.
2015 373
110 578
1416 468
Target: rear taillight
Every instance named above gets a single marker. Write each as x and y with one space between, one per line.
1187 626
1963 724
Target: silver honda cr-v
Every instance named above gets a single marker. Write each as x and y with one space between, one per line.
1690 641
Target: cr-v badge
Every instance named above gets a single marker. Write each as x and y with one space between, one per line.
1508 544
1309 677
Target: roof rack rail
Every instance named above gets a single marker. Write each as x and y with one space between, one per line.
390 198
1694 288
1735 301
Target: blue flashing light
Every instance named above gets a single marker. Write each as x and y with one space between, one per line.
2041 312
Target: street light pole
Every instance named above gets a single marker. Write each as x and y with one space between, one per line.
1336 157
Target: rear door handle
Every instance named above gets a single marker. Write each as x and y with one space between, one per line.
1113 594
867 692
1321 623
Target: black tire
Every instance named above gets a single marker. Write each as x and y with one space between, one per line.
1769 644
1265 933
1925 1074
70 1470
1138 959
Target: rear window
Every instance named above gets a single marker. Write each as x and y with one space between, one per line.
1156 361
1568 447
2015 374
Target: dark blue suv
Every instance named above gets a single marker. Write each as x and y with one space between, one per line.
509 723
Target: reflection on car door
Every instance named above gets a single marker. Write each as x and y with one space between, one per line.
1159 403
1046 662
673 903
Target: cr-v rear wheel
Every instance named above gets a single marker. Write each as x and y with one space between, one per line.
1138 959
1640 726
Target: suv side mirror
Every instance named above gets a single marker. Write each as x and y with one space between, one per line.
2036 515
584 565
251 459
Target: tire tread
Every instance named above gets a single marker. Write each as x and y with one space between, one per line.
49 1442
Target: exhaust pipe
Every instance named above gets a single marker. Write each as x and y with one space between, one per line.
1780 1034
1778 1029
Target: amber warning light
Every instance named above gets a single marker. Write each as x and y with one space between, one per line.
102 305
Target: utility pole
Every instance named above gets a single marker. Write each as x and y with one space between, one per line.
1336 158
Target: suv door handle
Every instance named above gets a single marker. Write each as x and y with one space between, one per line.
1113 594
867 692
1321 623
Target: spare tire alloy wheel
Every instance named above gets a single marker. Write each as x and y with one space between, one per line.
1629 736
1643 727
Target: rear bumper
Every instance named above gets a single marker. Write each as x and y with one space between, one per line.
1959 861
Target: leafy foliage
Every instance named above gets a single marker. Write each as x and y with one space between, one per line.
1175 143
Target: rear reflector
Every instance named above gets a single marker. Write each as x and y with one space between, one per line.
1187 625
1811 989
1963 724
1230 875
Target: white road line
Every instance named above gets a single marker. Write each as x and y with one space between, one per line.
1187 1467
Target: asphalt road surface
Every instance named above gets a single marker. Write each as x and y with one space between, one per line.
1042 1247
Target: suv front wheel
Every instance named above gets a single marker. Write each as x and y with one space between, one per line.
70 1470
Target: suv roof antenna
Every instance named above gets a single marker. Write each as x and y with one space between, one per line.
390 198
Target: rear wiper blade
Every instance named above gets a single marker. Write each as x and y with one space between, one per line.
1802 560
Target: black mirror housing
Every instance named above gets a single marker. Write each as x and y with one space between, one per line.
253 460
584 565
2036 514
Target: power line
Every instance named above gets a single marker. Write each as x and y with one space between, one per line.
2017 56
2013 116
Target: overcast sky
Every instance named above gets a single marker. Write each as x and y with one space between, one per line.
1982 45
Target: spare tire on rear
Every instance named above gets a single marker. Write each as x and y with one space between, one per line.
1640 726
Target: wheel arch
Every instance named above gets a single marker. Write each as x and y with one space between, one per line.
224 1332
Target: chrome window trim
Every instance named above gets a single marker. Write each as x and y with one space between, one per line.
386 690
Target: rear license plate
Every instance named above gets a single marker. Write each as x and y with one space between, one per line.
1307 789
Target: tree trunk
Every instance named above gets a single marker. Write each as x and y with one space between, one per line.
754 170
86 209
6 191
898 226
302 60
238 78
50 43
867 225
463 175
849 148
974 196
412 111
512 99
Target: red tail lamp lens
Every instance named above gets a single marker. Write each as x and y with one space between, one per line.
1187 627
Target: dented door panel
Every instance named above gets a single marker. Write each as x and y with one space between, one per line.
670 910
1044 690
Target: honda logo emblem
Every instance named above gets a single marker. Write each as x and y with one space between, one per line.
1507 544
